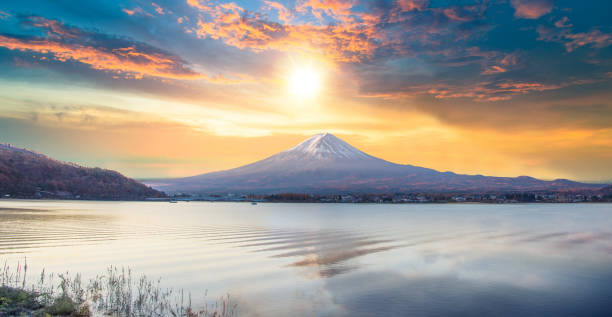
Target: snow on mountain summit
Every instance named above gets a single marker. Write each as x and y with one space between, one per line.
320 152
326 146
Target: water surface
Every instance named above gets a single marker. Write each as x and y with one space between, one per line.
335 259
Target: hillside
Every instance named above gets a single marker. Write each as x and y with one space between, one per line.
327 164
27 174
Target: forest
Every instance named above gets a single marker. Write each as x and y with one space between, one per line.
27 174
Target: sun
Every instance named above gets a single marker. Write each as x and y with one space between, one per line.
305 82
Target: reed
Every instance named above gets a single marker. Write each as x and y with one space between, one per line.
116 292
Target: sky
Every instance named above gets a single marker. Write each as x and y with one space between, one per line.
182 87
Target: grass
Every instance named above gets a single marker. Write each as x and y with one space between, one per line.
117 292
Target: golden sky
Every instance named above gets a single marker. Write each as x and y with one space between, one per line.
169 89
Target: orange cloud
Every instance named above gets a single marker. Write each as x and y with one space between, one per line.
130 59
494 70
158 8
484 91
409 5
54 28
128 11
523 87
348 42
340 31
495 91
126 60
531 9
329 7
572 41
284 15
509 60
135 11
594 37
197 4
452 14
563 23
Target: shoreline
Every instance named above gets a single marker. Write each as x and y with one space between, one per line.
317 202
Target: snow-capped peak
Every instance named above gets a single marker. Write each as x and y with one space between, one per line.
326 145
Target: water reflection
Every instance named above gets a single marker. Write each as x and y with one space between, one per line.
327 261
394 294
330 252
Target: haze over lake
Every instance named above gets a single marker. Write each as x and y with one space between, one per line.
334 259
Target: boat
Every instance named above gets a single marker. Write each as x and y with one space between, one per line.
173 201
253 203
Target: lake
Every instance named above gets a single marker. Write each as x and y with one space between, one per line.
335 259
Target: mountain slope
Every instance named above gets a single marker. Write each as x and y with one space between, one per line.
326 164
27 174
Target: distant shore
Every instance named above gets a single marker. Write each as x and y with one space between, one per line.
397 198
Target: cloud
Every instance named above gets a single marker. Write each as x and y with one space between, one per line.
573 41
117 55
409 5
334 8
595 38
463 14
337 29
506 63
4 15
563 23
500 90
494 70
484 91
509 60
128 11
531 9
284 14
243 29
136 11
158 8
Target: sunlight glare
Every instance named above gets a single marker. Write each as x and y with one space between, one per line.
305 82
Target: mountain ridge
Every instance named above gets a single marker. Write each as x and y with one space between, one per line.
324 163
28 174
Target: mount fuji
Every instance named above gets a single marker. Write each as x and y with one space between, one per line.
326 164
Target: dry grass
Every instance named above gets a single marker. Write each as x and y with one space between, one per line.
117 292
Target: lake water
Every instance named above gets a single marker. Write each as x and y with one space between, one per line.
335 259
